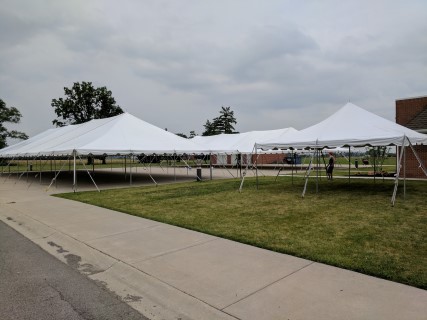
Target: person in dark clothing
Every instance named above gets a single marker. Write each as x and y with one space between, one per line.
330 166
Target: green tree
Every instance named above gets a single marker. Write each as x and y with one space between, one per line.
84 102
222 124
11 115
182 135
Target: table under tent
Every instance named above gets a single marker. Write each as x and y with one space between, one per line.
351 126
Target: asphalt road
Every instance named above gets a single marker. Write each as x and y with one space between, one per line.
35 285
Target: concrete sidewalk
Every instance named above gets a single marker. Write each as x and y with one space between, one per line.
167 272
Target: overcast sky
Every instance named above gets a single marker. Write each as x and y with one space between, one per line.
175 63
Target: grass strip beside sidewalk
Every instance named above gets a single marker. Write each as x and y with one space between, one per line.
352 226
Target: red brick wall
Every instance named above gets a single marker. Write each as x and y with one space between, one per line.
268 158
413 169
406 109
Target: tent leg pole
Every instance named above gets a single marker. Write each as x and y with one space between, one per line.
256 168
396 180
292 165
317 169
404 173
130 169
210 165
125 168
307 174
349 164
375 168
74 172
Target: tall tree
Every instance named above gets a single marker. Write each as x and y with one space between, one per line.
12 115
84 102
222 124
227 119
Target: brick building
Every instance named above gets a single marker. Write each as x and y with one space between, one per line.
412 113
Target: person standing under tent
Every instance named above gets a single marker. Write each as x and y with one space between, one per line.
330 166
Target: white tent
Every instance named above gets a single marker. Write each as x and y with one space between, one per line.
349 126
240 142
122 134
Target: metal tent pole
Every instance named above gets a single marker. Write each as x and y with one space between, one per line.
292 165
174 166
349 163
317 169
396 180
125 167
404 173
210 165
256 168
130 169
74 172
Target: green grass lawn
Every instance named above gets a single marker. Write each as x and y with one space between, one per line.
352 226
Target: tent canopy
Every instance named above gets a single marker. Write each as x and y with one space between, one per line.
349 126
240 142
122 134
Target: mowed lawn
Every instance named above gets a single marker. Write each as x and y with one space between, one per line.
352 226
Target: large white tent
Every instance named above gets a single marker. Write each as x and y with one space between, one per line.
240 142
123 134
349 126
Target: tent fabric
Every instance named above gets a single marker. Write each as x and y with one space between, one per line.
122 134
349 126
239 142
